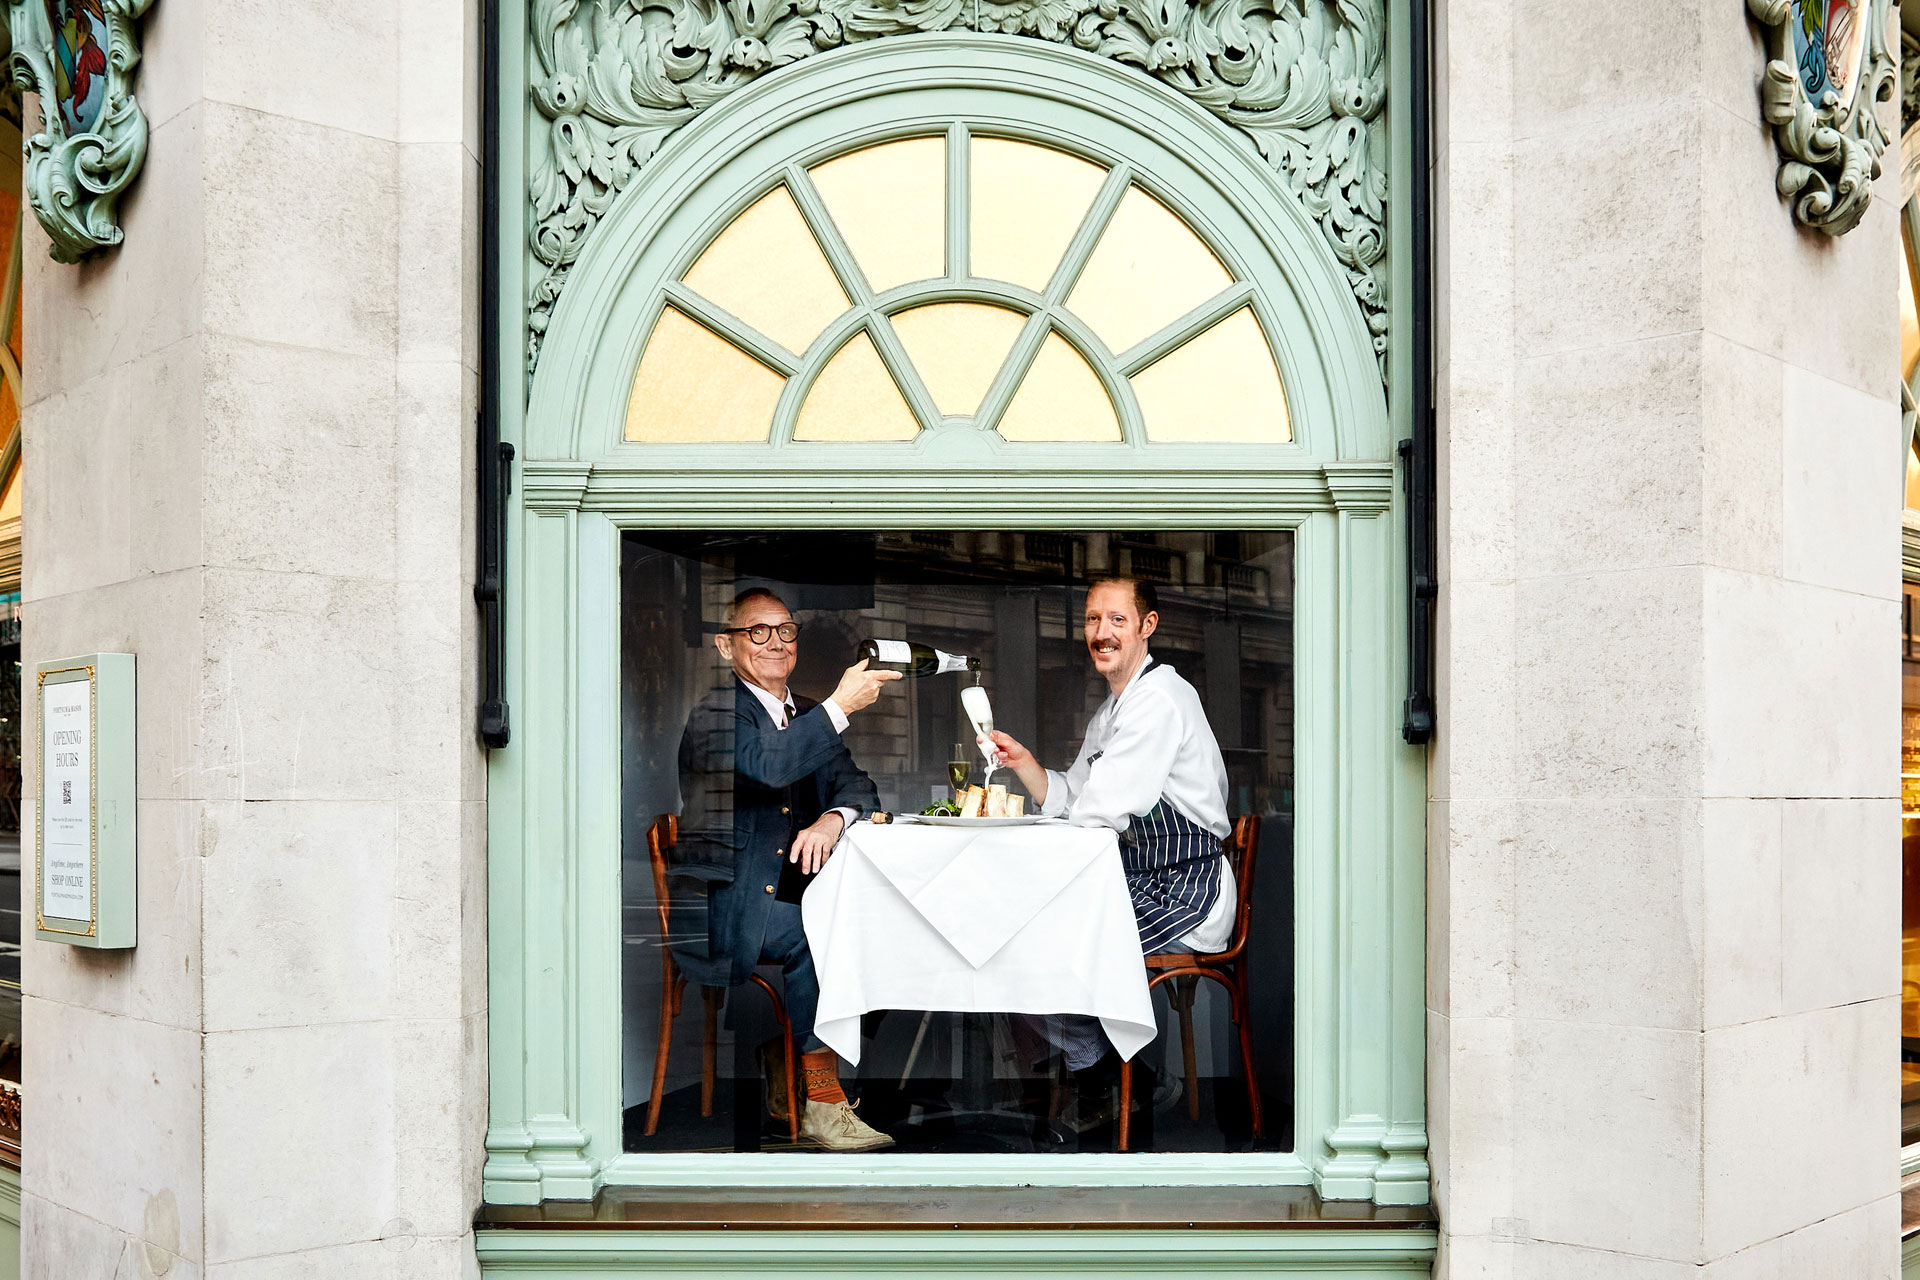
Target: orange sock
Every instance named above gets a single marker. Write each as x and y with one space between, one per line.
820 1070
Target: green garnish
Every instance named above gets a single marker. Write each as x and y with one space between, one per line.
941 809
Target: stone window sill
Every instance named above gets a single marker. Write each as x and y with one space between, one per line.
956 1208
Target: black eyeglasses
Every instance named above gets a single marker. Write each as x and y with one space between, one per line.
760 632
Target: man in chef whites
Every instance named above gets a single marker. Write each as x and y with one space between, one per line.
1151 769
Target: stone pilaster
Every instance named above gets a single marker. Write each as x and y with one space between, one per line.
248 445
1662 841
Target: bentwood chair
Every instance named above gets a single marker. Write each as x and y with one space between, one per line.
1228 968
662 836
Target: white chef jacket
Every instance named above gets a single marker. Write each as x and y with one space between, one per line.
1149 742
781 711
1152 741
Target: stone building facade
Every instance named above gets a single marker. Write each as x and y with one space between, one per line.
1600 984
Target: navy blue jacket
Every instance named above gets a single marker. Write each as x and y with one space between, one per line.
746 790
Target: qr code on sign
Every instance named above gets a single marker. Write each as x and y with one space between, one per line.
66 791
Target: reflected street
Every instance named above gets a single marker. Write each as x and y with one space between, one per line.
9 955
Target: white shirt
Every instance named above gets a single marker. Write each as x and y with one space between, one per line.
782 712
782 709
1153 742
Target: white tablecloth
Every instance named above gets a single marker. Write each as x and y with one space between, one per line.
1031 919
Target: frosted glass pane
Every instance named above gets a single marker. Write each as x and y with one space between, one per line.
1060 399
1148 270
1222 385
1027 202
890 204
694 387
855 398
766 269
958 347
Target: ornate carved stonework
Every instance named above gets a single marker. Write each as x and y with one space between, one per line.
79 56
1305 79
1909 82
1828 68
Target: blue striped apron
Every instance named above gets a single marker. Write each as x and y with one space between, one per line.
1173 872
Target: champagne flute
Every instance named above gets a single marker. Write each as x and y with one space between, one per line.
980 710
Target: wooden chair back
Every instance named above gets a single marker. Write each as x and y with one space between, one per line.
662 836
1242 848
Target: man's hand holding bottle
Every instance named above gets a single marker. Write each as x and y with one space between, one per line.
859 687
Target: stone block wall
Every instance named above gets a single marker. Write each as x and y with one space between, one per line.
1663 836
249 460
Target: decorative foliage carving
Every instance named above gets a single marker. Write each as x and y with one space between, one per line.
1909 81
1828 68
79 56
1305 79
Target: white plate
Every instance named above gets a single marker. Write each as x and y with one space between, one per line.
941 820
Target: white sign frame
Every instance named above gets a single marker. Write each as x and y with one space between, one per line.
84 834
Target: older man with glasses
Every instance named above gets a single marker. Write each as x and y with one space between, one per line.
767 786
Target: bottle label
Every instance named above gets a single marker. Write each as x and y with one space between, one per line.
893 650
949 662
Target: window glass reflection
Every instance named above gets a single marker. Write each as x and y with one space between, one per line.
919 973
1910 862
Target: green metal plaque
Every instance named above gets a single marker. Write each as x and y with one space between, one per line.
84 803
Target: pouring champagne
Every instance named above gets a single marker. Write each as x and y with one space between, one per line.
979 710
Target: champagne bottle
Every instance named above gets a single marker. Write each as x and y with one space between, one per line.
912 659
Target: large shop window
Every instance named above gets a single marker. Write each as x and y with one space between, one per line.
932 964
871 361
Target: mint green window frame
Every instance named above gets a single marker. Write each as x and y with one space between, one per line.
554 1129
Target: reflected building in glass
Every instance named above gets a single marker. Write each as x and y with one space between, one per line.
1013 602
1499 400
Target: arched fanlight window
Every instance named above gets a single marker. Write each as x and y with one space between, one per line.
958 280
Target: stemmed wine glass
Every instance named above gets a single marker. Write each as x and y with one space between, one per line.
959 769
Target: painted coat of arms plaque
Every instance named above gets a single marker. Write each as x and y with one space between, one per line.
1826 47
79 30
79 56
1828 70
